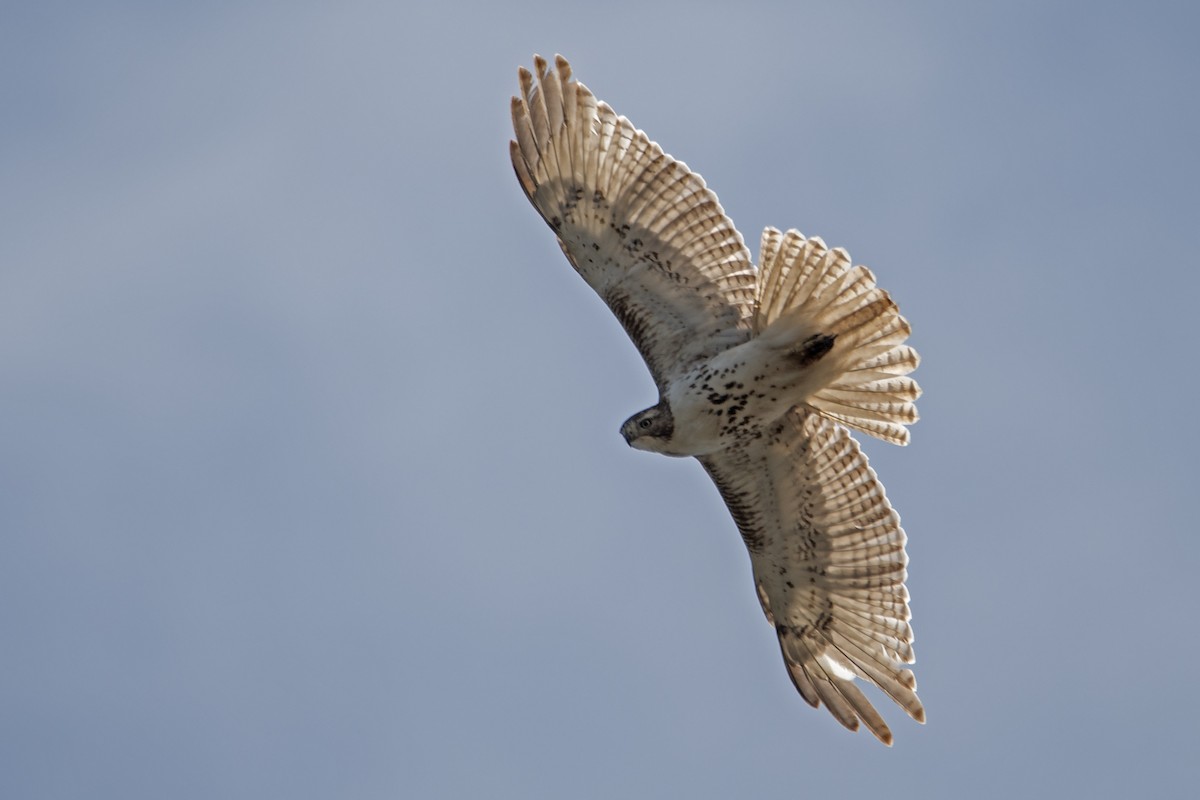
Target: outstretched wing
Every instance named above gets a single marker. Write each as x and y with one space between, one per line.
642 230
829 563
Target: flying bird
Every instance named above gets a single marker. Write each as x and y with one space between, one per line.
760 372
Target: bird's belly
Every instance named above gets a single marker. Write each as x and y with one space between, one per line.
728 400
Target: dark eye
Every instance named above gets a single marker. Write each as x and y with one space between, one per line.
644 424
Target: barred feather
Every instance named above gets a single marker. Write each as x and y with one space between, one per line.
805 285
635 222
829 564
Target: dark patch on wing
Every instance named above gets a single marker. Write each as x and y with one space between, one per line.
744 506
675 304
640 328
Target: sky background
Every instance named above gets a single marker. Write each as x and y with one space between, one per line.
310 479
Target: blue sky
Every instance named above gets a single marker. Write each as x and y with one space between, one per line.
311 478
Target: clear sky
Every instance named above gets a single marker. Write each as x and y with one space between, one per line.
310 479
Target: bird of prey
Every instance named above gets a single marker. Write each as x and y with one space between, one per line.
760 373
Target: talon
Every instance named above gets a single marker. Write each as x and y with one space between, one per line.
814 347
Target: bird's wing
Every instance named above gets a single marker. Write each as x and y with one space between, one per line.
829 563
642 229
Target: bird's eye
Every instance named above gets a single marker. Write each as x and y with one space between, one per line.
643 424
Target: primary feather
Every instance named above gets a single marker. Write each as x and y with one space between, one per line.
757 370
641 229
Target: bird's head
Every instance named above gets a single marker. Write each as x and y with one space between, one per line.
651 429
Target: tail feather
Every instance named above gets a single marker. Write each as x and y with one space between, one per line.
804 288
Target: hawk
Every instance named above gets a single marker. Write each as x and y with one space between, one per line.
760 374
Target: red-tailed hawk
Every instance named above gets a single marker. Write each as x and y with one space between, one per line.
760 372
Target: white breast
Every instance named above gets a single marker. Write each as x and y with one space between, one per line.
729 399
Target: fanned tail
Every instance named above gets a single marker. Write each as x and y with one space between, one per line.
805 288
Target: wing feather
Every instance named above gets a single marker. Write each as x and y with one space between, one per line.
829 563
644 231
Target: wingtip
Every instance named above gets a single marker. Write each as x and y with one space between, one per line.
525 79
